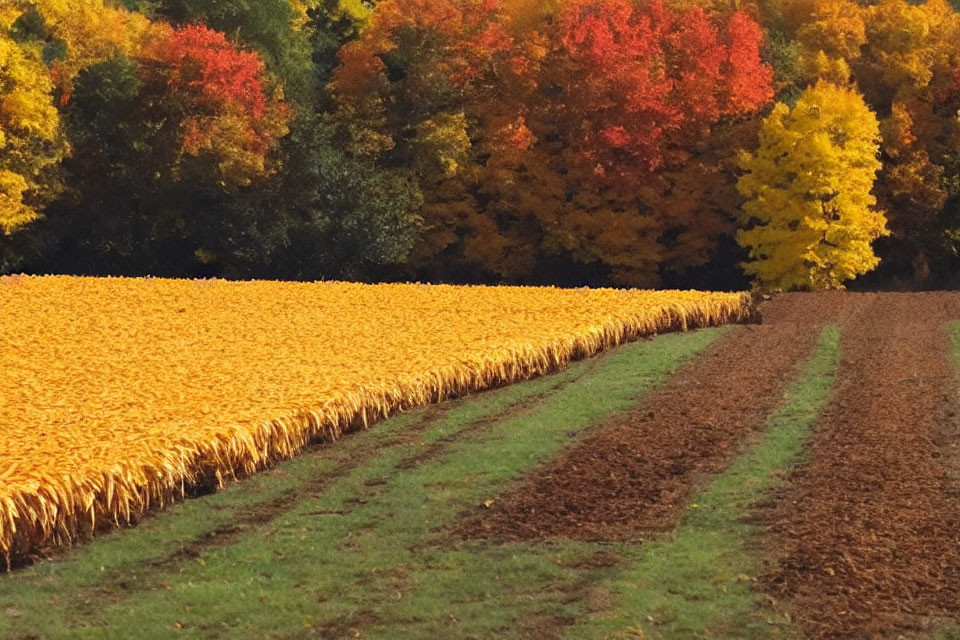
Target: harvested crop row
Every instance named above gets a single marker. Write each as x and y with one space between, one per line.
120 394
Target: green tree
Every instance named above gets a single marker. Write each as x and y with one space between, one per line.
809 217
331 214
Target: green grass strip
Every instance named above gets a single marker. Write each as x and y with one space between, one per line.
81 571
954 330
951 630
697 582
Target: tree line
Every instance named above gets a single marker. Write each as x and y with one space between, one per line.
787 144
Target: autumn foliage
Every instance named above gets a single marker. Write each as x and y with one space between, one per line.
31 141
543 131
523 141
644 81
810 215
220 92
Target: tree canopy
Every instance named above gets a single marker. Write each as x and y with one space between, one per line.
572 142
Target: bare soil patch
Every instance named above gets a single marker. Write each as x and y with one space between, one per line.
635 474
868 531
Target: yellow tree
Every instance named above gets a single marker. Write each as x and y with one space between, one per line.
31 143
31 140
809 217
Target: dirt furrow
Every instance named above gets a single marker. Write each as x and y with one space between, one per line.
868 530
635 473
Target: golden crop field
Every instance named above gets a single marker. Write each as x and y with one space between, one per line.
117 394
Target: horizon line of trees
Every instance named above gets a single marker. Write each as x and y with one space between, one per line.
713 144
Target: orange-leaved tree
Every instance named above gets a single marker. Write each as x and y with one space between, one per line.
219 93
644 95
554 130
908 71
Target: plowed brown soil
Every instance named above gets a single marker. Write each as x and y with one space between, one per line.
635 474
868 531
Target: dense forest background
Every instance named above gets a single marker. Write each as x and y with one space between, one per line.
706 144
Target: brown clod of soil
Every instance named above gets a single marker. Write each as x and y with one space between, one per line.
867 533
636 473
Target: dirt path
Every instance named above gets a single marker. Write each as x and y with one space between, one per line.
635 474
869 529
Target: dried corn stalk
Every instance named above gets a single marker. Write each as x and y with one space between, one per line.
118 394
